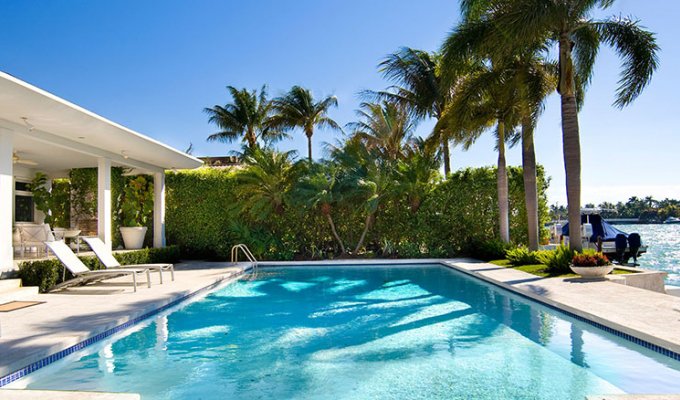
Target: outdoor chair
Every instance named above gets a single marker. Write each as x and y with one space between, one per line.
34 236
110 262
82 274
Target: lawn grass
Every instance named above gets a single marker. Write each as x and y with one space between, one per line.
540 269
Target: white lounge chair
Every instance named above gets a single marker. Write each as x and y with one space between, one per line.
83 274
109 261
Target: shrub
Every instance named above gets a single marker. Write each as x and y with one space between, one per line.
488 250
521 256
590 258
47 273
557 261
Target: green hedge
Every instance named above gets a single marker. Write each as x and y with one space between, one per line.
47 273
459 217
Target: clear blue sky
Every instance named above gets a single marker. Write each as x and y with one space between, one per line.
154 65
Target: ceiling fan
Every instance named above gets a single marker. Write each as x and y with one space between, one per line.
18 160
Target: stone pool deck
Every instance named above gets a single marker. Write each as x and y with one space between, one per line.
68 318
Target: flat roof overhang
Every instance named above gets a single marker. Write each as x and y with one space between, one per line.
58 135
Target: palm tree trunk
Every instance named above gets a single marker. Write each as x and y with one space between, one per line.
530 188
367 225
447 157
335 233
502 184
571 144
251 138
309 134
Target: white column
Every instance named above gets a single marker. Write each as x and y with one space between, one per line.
104 216
159 209
6 200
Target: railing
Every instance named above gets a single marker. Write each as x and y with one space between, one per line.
246 252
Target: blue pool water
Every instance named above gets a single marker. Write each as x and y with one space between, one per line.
411 332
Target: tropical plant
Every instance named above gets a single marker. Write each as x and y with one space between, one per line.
319 190
418 85
521 255
264 185
508 25
384 128
590 259
366 178
556 261
417 174
246 118
298 109
136 205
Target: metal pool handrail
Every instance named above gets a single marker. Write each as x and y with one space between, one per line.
246 252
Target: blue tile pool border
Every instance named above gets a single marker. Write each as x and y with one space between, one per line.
22 372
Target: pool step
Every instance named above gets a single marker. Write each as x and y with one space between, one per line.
6 284
17 293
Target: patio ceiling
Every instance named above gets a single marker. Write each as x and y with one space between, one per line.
59 135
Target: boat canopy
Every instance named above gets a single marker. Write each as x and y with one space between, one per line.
600 228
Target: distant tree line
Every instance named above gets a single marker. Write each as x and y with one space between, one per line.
647 209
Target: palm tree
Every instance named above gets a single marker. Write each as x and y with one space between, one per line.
508 25
417 174
246 118
266 182
420 87
384 127
297 109
485 98
320 189
366 178
535 79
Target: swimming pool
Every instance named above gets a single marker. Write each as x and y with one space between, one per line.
417 332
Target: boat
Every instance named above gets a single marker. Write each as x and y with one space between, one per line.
672 220
598 234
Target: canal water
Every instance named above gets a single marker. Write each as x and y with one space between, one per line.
663 248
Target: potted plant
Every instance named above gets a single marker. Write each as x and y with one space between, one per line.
591 265
135 208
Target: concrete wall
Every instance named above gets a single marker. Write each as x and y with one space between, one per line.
641 278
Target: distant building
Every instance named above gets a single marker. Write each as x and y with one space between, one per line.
221 161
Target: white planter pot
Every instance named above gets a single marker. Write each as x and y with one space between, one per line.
133 236
592 272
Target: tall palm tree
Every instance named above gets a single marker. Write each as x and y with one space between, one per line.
298 109
568 25
385 127
420 87
245 118
485 98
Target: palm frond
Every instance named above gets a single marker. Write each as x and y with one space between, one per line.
639 52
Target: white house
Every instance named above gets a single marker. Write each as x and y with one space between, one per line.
42 132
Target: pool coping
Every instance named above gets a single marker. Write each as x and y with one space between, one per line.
651 342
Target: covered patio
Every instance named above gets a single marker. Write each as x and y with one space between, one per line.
40 132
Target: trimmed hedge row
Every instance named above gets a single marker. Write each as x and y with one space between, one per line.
47 273
459 216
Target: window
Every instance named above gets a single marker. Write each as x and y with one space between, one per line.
23 202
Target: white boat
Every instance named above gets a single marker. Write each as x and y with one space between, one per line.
598 234
672 220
